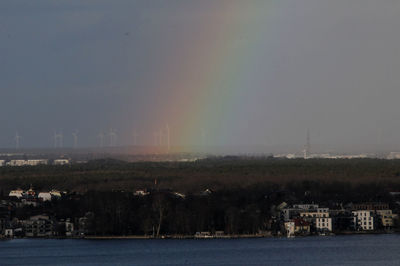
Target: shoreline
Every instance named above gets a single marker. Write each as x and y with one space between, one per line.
185 237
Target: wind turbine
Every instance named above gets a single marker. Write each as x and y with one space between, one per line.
160 136
61 139
75 136
113 137
203 137
58 140
135 136
168 138
55 136
17 140
156 138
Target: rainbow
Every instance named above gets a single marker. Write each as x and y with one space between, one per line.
208 78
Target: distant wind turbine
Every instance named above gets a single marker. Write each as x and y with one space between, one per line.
17 140
58 139
168 137
156 138
101 139
203 137
75 136
135 136
113 138
160 136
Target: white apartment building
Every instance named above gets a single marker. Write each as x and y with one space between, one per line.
61 161
289 213
387 217
16 163
314 213
364 219
324 224
44 196
16 193
36 162
319 217
27 162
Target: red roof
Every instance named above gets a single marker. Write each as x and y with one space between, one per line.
301 222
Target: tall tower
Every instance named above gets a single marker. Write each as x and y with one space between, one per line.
307 148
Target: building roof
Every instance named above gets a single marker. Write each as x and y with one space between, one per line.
301 222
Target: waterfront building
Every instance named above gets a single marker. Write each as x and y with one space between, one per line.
39 226
291 213
9 233
306 206
301 226
387 218
364 220
290 228
371 206
324 224
319 218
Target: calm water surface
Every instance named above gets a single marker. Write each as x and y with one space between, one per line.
337 250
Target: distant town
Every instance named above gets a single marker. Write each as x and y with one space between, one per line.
285 219
34 162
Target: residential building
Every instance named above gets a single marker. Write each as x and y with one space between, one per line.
36 162
16 163
393 155
44 196
141 193
319 218
306 206
291 213
386 218
55 193
371 206
324 224
301 226
39 226
364 220
9 233
290 228
27 162
61 161
18 193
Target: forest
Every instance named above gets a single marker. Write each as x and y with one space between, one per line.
216 173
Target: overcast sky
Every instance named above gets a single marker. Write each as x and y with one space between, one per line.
331 66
